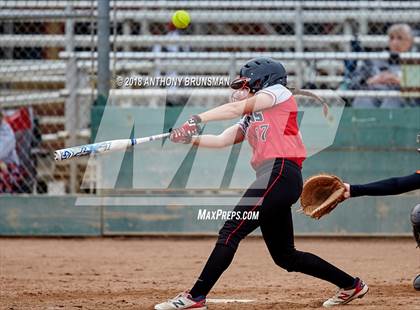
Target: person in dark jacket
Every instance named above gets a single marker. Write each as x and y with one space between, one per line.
384 74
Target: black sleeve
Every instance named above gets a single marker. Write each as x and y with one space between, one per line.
392 186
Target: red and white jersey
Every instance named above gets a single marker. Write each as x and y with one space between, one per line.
274 132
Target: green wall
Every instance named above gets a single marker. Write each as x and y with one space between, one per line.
59 216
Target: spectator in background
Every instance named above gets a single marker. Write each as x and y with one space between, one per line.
10 175
384 74
172 32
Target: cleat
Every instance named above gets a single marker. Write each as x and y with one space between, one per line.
183 301
343 296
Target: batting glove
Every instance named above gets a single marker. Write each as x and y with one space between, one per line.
184 133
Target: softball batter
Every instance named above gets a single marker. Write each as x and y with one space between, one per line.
269 123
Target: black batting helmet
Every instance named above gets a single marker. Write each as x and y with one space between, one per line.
415 221
262 72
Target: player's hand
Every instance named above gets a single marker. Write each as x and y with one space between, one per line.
184 133
347 192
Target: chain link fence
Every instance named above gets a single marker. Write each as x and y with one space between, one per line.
41 110
49 61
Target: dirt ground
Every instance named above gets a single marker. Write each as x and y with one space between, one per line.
137 273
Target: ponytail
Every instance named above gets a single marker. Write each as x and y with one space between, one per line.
301 92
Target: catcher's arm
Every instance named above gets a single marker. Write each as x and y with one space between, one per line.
391 186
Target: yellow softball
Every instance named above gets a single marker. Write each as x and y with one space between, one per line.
181 19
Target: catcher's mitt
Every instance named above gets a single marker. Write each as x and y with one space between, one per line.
321 194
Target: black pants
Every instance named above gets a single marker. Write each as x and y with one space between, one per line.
277 187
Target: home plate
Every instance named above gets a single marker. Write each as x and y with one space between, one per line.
225 301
